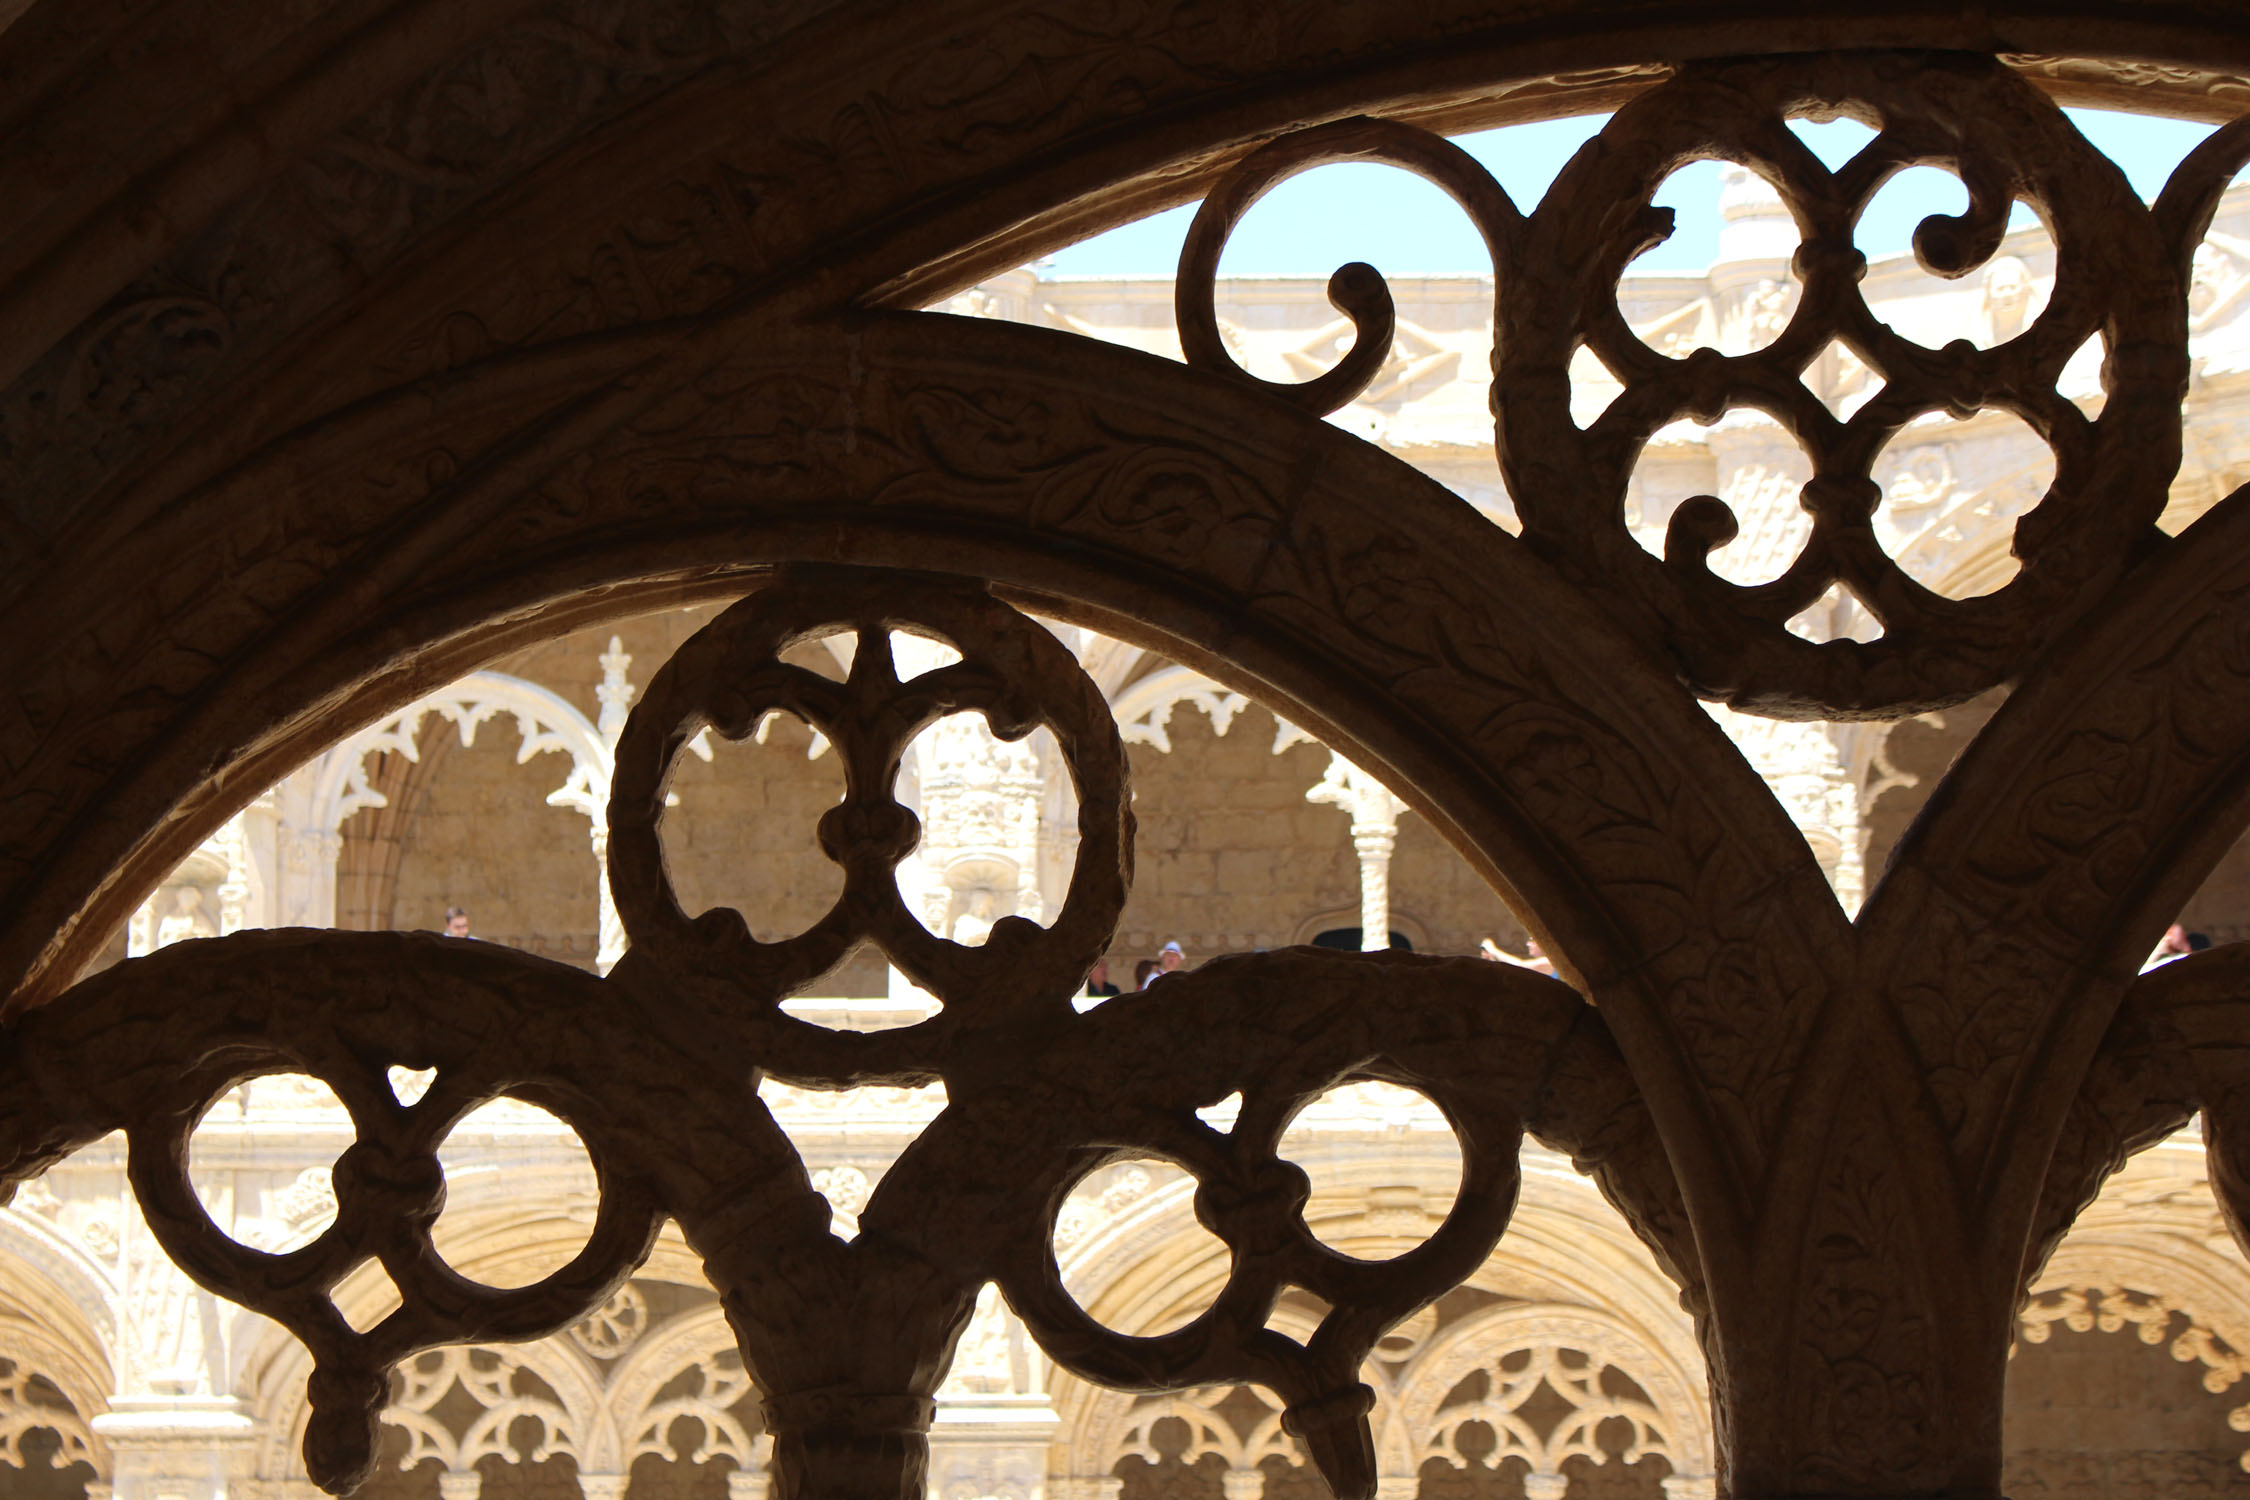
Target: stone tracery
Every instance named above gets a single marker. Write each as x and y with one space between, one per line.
1749 1039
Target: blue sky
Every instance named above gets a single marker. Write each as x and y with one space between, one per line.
1403 226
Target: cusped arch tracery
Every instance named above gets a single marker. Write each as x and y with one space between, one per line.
1517 1349
545 721
686 1369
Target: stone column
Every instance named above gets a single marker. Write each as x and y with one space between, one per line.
615 695
1398 1487
1374 812
177 1447
611 927
465 1484
1691 1487
308 875
1243 1484
603 1486
745 1484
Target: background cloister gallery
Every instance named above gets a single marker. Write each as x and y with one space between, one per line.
1564 1367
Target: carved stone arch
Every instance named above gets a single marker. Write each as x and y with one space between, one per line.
31 1353
336 785
545 720
1861 1119
282 1406
1145 705
2169 1292
1362 600
1121 1429
987 158
2204 1289
36 1345
47 1272
1555 771
1476 1340
2155 1234
659 1357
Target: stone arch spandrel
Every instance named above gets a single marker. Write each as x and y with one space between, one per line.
816 151
732 142
2055 884
1265 548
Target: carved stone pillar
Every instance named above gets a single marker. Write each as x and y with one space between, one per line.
746 1484
604 1486
1374 812
1545 1486
1398 1487
1691 1487
850 1446
468 1484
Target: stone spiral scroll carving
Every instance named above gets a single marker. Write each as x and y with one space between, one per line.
2122 276
657 1067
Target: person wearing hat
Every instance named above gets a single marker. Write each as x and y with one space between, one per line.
1170 957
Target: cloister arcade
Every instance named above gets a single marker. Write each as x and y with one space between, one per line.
621 470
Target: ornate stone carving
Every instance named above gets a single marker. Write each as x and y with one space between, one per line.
614 1327
1557 290
503 1392
670 1136
1841 1138
31 1403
